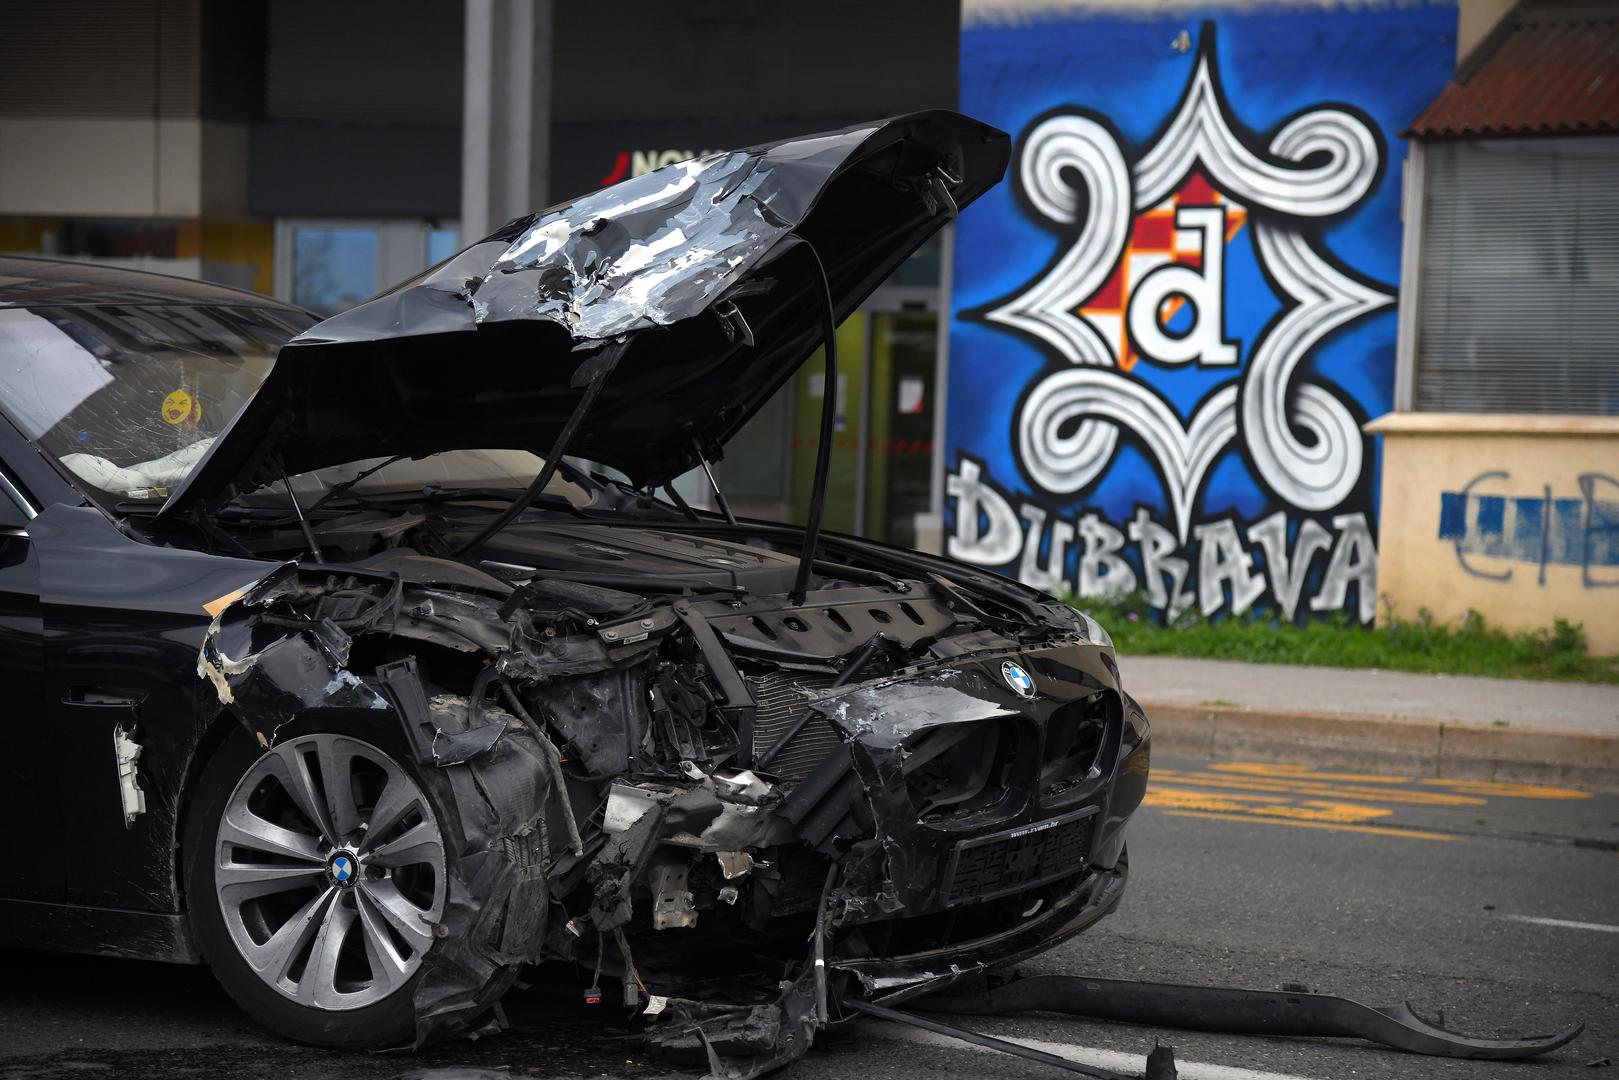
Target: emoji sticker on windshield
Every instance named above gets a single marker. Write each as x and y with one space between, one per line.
179 407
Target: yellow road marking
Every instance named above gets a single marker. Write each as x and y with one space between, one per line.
1244 783
1284 794
1177 788
1286 770
1319 810
1509 790
1224 802
1376 830
1194 800
1506 788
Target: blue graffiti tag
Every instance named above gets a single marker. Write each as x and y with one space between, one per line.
1535 529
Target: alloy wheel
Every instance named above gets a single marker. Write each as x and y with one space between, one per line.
329 870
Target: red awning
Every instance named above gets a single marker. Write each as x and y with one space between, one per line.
1546 71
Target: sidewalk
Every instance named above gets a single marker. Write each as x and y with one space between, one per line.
1455 726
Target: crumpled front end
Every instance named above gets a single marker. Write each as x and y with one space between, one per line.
732 813
987 811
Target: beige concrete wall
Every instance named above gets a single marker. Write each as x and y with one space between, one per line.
1532 532
88 167
96 167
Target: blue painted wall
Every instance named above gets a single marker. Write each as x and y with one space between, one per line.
1172 319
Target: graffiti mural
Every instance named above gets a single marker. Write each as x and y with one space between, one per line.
1172 324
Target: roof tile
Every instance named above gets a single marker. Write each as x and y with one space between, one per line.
1549 74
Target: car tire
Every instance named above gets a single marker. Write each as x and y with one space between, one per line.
315 922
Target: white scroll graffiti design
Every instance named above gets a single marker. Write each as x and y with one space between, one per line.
1303 440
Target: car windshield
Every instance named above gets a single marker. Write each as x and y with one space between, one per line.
128 398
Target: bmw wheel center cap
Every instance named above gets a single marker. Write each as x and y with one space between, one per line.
344 868
1019 680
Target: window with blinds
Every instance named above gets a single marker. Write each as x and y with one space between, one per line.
1518 296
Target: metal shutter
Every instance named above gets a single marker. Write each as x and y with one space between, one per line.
365 61
717 60
100 58
1518 295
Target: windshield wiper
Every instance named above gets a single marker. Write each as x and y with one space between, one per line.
338 489
483 494
593 373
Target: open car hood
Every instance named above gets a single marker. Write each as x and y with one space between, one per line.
701 273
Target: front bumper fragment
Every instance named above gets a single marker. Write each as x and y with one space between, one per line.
900 978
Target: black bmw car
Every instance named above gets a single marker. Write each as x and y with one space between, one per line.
371 662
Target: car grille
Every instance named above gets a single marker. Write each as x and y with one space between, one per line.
1074 736
985 867
778 700
957 768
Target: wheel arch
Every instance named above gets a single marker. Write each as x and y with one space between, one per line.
214 732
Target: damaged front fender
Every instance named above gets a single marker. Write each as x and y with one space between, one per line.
280 653
268 662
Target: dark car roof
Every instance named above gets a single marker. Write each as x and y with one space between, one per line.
32 283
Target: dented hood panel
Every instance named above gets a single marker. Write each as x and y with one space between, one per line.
702 270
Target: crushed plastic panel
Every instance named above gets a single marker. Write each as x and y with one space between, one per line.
126 754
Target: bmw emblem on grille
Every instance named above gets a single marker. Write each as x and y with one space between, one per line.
342 868
1017 679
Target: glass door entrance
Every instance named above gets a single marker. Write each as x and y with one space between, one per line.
882 448
898 453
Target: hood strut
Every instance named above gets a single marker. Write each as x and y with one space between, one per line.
823 451
719 496
592 374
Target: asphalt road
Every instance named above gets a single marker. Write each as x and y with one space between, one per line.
1372 887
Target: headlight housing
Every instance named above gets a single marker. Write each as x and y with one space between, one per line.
1095 632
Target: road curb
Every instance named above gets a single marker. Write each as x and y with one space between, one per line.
1387 745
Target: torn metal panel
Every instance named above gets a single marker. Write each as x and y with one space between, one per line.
658 247
270 661
672 905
